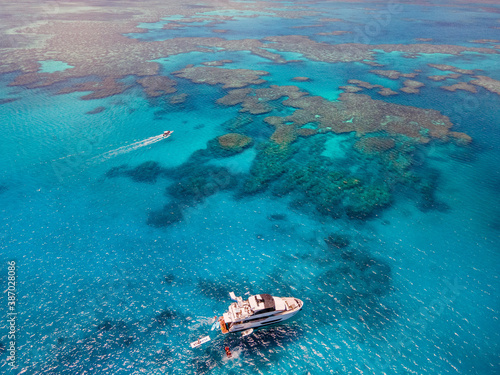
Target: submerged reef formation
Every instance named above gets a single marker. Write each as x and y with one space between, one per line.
217 62
445 76
336 32
301 79
256 101
108 53
147 172
385 91
99 89
230 78
170 214
353 282
490 84
337 240
411 86
268 165
361 114
451 68
374 145
392 74
232 143
319 184
98 37
460 86
157 85
96 110
360 85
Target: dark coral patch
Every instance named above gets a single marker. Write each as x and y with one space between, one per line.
170 214
268 165
374 145
337 241
234 142
357 278
96 110
165 318
147 172
364 201
198 182
276 217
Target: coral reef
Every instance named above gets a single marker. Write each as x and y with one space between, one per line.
217 62
178 99
363 84
230 78
490 84
284 134
195 181
350 89
445 76
256 101
357 278
147 172
336 32
237 123
460 86
170 214
96 110
361 114
365 201
485 41
461 138
392 74
157 85
7 100
301 79
320 51
451 68
411 86
95 41
427 188
234 142
351 52
374 145
385 91
268 165
276 217
109 86
337 241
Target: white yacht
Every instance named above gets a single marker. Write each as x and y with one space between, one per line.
258 311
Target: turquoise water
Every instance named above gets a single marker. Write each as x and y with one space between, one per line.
52 66
108 283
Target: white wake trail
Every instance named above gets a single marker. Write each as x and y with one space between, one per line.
125 149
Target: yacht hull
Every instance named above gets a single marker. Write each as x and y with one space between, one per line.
289 307
236 327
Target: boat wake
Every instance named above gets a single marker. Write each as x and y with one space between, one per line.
125 149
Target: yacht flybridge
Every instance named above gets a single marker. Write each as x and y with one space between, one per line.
258 311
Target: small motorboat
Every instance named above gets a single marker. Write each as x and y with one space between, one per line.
167 133
258 311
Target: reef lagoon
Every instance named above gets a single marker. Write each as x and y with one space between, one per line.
344 153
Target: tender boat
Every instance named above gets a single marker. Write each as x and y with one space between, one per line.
258 311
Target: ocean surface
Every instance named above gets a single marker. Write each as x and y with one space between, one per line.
127 244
